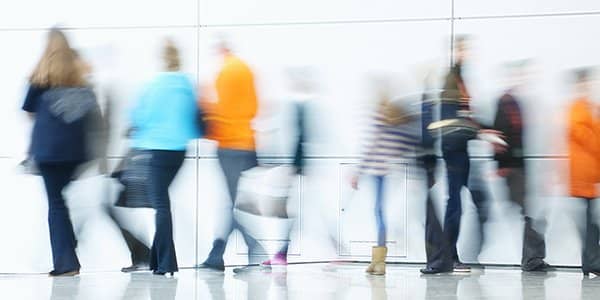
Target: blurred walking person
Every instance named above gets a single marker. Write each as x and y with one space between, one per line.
164 121
229 123
64 108
511 166
457 127
303 93
584 167
139 252
390 139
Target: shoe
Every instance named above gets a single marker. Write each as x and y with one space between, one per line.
461 268
160 273
63 274
587 273
136 268
544 267
279 259
377 265
431 271
243 270
210 266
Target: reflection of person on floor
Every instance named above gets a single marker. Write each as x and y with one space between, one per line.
229 123
511 166
390 139
63 107
61 289
140 285
164 135
584 167
446 287
533 285
378 288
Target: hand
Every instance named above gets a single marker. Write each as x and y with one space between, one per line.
492 131
499 149
494 137
503 172
354 181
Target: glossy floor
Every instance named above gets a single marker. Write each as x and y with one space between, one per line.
307 281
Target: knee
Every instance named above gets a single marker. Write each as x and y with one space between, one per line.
56 204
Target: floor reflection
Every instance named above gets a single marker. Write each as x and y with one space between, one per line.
307 281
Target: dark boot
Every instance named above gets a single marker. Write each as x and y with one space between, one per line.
215 257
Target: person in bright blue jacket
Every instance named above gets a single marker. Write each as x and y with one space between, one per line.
163 122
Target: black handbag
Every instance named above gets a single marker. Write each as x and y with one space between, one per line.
133 173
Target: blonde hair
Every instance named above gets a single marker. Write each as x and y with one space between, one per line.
58 65
171 56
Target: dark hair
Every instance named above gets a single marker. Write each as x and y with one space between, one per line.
581 75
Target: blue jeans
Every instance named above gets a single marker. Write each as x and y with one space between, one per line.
62 238
233 163
457 167
164 165
379 217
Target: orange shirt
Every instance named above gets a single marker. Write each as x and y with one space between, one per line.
584 147
229 119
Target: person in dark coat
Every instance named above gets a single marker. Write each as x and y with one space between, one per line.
63 108
511 166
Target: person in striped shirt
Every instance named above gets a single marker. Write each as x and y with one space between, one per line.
393 136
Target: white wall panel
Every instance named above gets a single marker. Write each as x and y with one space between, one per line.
556 46
343 57
273 11
19 55
471 8
87 13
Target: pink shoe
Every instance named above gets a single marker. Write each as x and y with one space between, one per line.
279 259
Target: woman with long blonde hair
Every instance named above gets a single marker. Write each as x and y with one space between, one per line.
61 104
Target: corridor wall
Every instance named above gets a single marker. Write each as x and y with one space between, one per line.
345 43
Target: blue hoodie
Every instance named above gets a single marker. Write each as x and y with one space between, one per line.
164 117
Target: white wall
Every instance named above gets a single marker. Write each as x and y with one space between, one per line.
345 42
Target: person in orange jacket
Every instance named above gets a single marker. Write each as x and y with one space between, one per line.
584 162
228 122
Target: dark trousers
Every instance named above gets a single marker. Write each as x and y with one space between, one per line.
435 243
440 241
62 238
233 163
457 167
164 165
534 246
589 234
480 197
140 253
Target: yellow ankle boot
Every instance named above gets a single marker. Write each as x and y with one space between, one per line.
377 265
